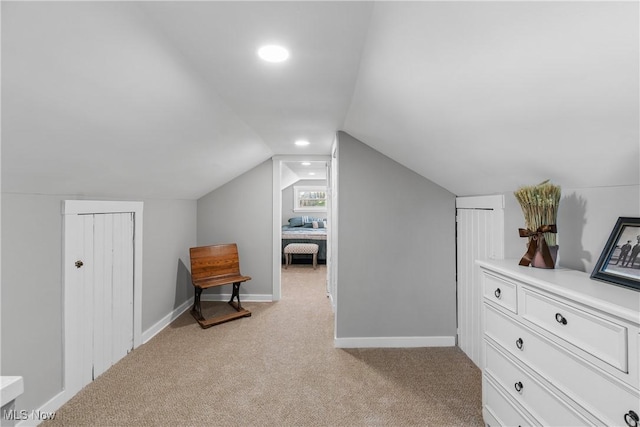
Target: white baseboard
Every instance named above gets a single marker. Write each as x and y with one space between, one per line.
165 321
46 411
394 342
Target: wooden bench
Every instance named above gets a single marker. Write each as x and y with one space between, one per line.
300 248
216 265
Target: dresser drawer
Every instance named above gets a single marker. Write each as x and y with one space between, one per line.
598 336
500 291
585 384
546 407
500 407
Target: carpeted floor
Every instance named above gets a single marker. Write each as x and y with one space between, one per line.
278 368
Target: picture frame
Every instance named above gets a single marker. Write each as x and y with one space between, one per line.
619 262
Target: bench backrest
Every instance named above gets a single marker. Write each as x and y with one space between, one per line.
216 261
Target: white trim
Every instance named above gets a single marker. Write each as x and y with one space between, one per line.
481 202
165 321
395 342
317 188
78 207
277 216
72 336
52 405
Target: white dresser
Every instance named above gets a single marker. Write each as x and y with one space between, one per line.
560 349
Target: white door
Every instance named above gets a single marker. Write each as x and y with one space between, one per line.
113 289
105 281
479 235
103 248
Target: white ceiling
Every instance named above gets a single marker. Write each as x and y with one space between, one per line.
313 170
168 99
488 96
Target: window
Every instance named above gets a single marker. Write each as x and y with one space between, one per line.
310 199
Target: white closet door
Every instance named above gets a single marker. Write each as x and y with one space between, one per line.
102 301
122 297
103 244
113 289
473 243
102 287
480 235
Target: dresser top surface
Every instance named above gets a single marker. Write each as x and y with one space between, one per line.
573 284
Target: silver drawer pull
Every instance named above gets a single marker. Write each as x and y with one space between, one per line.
518 386
631 418
560 319
519 343
497 293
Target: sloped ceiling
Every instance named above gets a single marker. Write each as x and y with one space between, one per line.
168 99
484 97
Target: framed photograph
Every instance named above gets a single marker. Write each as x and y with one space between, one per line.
619 262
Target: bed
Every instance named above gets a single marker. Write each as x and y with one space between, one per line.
305 234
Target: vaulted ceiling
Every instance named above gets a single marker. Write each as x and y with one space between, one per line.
169 99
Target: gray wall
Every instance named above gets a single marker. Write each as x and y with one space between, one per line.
31 295
169 232
586 217
32 288
287 200
396 258
241 212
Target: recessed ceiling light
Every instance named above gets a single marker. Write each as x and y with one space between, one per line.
273 53
306 163
302 142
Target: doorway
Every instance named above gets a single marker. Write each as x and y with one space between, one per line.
102 287
286 171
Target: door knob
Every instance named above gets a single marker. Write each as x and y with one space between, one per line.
79 264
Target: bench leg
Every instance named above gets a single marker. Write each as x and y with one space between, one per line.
315 260
241 312
235 293
196 310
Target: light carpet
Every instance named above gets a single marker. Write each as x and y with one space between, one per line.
278 368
